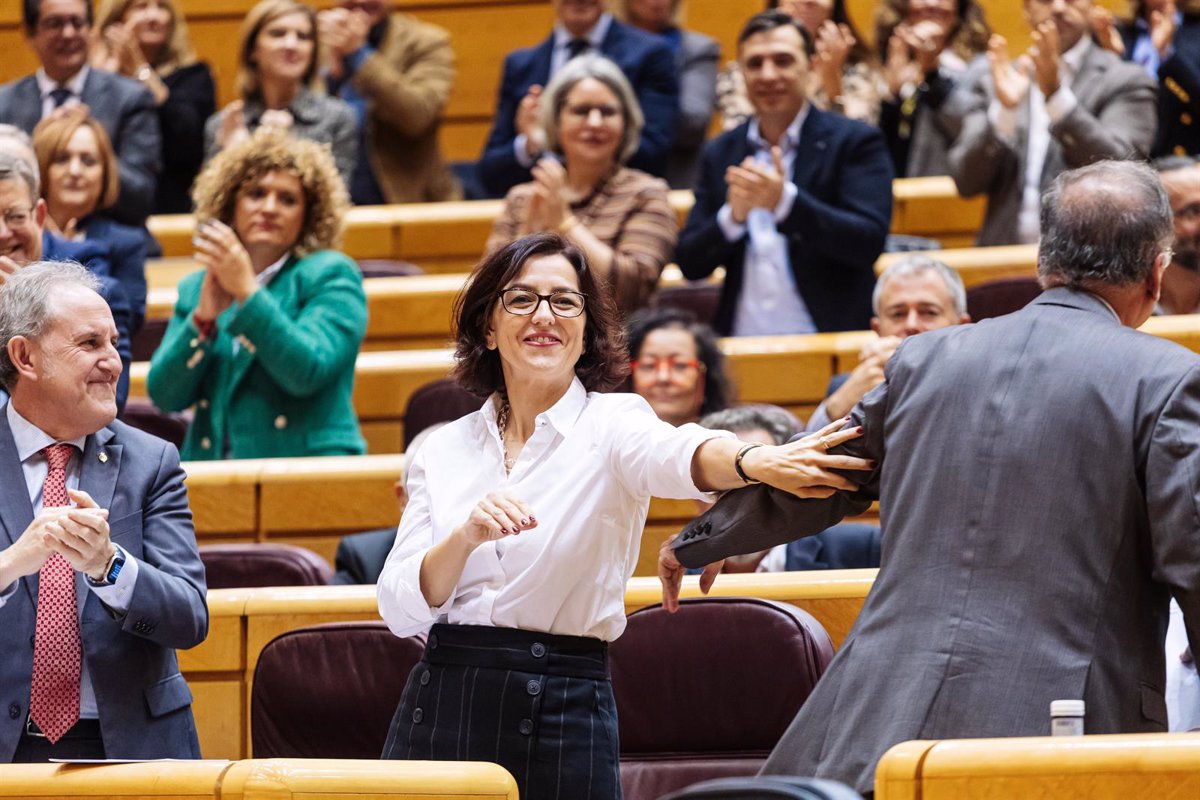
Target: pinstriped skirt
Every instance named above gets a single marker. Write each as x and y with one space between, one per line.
537 704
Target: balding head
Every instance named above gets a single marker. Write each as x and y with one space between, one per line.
1103 225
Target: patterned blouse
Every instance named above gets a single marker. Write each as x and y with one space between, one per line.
629 212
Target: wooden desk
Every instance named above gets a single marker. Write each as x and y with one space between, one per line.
1148 766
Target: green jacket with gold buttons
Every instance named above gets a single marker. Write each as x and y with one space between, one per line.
275 377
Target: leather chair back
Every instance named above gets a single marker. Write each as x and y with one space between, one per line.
1001 296
707 692
329 691
145 416
442 400
240 566
699 298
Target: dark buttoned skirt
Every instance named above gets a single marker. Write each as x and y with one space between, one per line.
539 705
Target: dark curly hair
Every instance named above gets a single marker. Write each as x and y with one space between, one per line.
602 365
718 389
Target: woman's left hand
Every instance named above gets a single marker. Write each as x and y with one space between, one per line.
804 467
220 251
550 178
123 44
833 47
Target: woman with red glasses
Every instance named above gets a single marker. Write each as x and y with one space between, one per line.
676 365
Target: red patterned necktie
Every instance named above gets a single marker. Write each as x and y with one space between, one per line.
54 701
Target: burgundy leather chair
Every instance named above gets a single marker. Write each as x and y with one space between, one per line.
442 400
1001 296
699 298
387 268
707 692
329 691
145 416
148 339
240 566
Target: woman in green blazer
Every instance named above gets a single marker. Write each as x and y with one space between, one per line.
264 338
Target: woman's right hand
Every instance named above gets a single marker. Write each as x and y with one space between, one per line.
213 299
804 467
498 515
233 125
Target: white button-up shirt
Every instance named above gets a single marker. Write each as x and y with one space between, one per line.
587 474
769 302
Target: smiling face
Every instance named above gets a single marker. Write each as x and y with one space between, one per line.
20 222
268 215
1070 17
76 176
153 22
69 385
61 37
284 48
939 11
578 16
915 303
775 67
668 374
591 123
539 348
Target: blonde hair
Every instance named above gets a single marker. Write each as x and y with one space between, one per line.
178 51
53 134
264 13
265 151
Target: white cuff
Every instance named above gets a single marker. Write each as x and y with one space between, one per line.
520 151
1003 120
1060 104
786 200
401 603
119 595
733 230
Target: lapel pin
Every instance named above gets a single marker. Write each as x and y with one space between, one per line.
103 457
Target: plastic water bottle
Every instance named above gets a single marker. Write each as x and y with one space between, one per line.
1066 718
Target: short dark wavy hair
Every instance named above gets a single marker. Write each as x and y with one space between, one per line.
718 388
602 365
31 14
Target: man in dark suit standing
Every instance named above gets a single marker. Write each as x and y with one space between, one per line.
516 141
1039 483
100 579
58 31
795 204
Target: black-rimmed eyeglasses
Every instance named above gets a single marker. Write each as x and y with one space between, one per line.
522 302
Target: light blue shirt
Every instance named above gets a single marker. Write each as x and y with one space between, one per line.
30 441
1144 52
769 303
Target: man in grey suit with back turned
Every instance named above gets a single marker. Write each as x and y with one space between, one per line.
1039 476
100 579
1066 103
57 31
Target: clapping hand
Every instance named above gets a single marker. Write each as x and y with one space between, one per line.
1045 58
1162 28
1009 81
528 112
1104 29
7 267
219 250
498 515
753 185
233 125
548 205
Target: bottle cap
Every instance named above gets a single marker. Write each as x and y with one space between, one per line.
1067 708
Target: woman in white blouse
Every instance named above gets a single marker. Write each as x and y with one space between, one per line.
524 522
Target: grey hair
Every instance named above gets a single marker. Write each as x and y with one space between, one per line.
606 72
25 299
916 264
1104 223
14 168
779 422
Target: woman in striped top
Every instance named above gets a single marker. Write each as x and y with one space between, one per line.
619 217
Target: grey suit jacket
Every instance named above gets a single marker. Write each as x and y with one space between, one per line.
1115 118
696 61
1039 479
127 112
144 701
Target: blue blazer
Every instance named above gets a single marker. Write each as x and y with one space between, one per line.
144 701
836 229
126 110
94 256
127 250
647 62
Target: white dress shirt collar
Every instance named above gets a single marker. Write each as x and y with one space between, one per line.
791 136
30 439
75 84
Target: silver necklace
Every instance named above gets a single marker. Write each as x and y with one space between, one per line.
502 424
